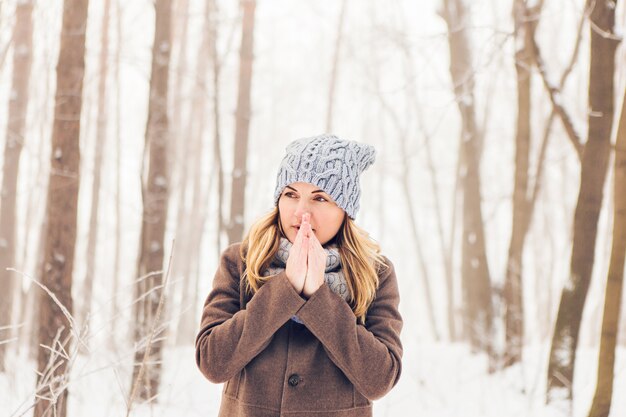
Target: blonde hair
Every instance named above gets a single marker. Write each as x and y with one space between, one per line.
361 259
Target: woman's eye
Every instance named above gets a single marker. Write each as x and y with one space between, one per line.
322 198
289 194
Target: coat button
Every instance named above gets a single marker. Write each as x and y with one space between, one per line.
294 380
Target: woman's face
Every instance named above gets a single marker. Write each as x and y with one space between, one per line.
301 197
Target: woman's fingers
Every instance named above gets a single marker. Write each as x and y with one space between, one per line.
305 225
316 265
315 241
301 244
314 245
316 252
296 267
298 239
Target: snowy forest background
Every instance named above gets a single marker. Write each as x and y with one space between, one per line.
498 190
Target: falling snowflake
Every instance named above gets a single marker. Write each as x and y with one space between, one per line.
160 181
154 246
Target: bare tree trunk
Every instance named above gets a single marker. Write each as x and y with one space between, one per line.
179 150
56 275
29 309
32 222
593 172
402 138
430 307
181 166
155 199
180 74
202 205
184 223
187 325
101 132
446 251
335 68
242 125
217 149
613 294
118 203
29 313
525 21
182 191
478 323
18 103
454 232
543 289
184 226
182 151
4 49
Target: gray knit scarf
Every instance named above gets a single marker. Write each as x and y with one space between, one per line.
333 275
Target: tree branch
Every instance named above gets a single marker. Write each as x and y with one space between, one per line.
555 92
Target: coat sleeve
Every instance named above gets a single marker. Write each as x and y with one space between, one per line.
229 338
370 356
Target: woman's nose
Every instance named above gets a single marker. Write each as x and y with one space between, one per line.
303 207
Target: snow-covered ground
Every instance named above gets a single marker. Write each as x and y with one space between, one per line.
438 380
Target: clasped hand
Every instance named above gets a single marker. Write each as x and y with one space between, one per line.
307 260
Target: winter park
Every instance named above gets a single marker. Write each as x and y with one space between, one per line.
346 208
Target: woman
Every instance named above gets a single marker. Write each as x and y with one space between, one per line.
303 317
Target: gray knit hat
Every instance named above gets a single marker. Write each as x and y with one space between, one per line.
332 164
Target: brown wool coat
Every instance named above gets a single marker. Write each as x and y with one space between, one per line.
273 366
